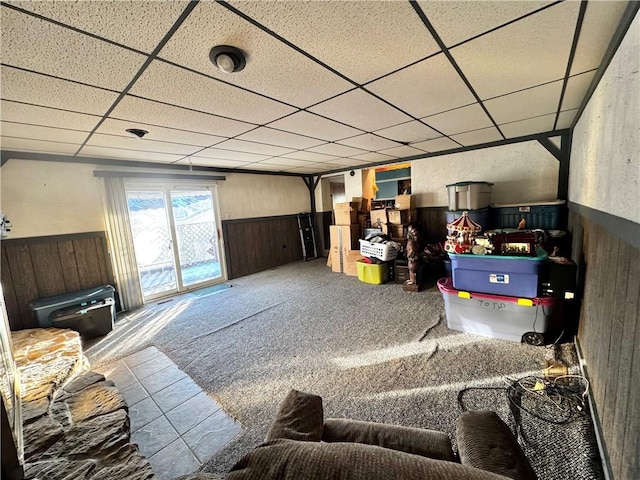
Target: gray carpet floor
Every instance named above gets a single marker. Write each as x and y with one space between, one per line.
373 352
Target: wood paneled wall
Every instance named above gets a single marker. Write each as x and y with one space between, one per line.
609 338
40 267
256 244
433 221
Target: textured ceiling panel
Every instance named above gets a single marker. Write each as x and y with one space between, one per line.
144 144
114 19
273 68
251 147
347 162
309 156
144 111
124 154
285 162
471 117
525 104
31 114
362 40
41 46
306 123
456 21
372 157
271 136
600 21
403 151
565 119
161 134
51 92
369 142
426 88
231 155
361 110
408 132
478 136
543 123
191 90
437 144
42 133
31 145
529 52
577 87
337 150
213 162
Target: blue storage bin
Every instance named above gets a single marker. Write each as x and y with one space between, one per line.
544 215
498 274
481 217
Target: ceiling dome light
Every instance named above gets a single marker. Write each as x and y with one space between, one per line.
228 59
138 132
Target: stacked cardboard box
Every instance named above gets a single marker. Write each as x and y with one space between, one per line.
401 216
344 236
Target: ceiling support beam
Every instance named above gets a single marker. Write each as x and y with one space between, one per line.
563 155
311 184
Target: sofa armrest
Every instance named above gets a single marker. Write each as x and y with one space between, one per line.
485 442
426 443
300 417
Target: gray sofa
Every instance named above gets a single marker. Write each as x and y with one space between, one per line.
301 444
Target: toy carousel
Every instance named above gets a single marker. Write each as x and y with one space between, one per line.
461 234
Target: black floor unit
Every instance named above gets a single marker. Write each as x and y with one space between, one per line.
307 237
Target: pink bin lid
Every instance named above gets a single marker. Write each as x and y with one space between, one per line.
445 285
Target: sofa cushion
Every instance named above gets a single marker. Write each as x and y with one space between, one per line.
300 417
428 443
485 442
293 460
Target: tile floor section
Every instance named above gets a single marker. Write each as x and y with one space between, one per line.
176 425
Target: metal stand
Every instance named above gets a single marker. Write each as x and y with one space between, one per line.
307 237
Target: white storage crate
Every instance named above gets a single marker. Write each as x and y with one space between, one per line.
469 195
382 251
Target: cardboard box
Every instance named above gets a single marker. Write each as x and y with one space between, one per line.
350 265
398 231
405 202
345 213
343 239
378 217
365 205
398 217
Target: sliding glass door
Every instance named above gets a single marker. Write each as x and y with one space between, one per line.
175 236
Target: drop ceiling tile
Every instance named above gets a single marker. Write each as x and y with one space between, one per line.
577 87
437 145
285 162
476 137
19 130
412 132
160 134
426 88
347 162
525 104
133 109
273 68
277 137
30 145
369 141
114 20
252 147
317 167
51 92
124 154
529 52
306 123
456 21
231 155
565 119
355 38
50 117
471 117
530 126
143 144
600 22
176 86
373 157
199 161
266 167
361 110
337 150
309 156
403 151
44 47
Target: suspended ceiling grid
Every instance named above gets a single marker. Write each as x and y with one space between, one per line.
328 85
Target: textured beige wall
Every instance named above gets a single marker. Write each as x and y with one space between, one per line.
51 198
605 151
523 172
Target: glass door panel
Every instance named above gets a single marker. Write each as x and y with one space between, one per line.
152 242
196 236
